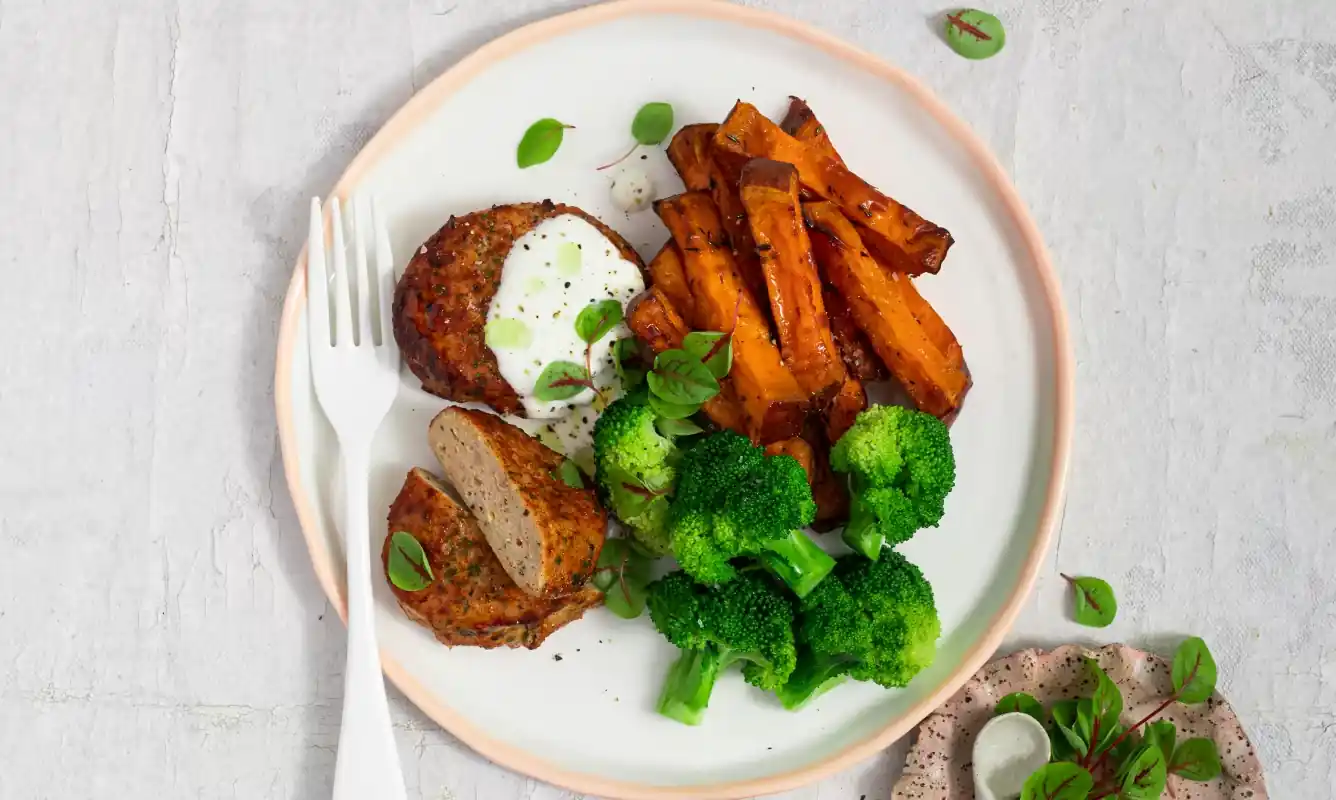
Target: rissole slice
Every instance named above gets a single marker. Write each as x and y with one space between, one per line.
774 404
876 298
654 319
769 192
692 153
908 242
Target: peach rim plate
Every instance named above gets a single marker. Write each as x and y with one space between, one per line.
411 115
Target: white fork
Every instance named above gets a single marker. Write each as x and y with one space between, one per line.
355 379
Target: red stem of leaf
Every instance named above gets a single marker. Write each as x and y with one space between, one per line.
623 158
959 21
1089 759
1090 598
728 335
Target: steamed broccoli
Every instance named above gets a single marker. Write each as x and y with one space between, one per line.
733 500
870 621
901 469
749 619
634 471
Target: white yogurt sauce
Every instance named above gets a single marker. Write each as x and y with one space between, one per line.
552 273
633 189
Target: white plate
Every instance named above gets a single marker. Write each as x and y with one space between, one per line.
587 722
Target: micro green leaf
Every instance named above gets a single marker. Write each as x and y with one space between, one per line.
569 474
679 377
623 575
1196 760
652 123
1193 672
714 349
1145 776
1022 702
561 380
1096 605
1107 701
1063 714
677 427
597 319
975 34
625 354
1059 781
667 410
540 142
408 566
1162 734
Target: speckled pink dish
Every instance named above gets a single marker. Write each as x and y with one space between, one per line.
939 766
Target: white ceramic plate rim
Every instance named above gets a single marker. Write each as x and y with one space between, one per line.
411 116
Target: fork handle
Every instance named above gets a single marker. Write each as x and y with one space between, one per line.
368 761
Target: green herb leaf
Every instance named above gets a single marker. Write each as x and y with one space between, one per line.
1096 605
597 319
1145 776
667 410
1193 672
975 34
652 123
677 427
408 566
626 355
1058 782
1196 760
561 380
679 377
1162 735
714 349
1022 702
540 142
569 474
1108 703
1063 714
623 576
1085 720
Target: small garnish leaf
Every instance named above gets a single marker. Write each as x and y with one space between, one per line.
1059 781
540 142
975 34
1096 605
714 349
1073 740
597 319
569 474
1085 720
1196 760
1022 702
666 410
1107 701
1063 714
652 123
626 358
1162 734
408 566
623 576
1193 672
561 380
679 377
1145 776
677 427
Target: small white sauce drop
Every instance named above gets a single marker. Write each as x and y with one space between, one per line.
1006 752
632 189
552 273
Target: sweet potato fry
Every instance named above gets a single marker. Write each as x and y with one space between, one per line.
796 447
933 325
828 489
844 408
907 241
769 192
860 360
653 319
692 153
774 404
802 124
665 272
876 298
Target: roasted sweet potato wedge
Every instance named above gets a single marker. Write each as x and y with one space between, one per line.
666 272
796 447
844 408
877 299
828 489
772 400
907 241
769 192
801 123
656 322
692 153
860 360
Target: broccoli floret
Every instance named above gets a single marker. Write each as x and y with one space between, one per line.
634 471
749 619
901 469
870 621
733 500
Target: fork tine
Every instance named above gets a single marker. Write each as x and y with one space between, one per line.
384 272
317 286
365 338
343 313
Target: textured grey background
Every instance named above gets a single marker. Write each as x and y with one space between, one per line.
161 633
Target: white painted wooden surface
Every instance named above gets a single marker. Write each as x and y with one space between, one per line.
161 634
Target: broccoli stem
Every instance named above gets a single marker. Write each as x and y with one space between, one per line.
811 679
686 690
862 533
798 561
